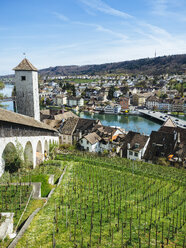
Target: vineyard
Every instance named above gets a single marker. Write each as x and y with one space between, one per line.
16 188
20 194
102 204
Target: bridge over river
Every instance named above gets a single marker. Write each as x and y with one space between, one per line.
161 117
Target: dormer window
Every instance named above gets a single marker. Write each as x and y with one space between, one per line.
23 78
137 145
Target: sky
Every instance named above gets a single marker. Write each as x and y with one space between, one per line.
79 32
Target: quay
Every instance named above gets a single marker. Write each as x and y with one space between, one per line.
161 117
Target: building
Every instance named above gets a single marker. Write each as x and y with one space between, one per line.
178 105
124 102
117 93
67 131
134 146
179 153
165 105
27 96
152 102
75 101
90 142
140 98
60 100
74 129
161 144
112 109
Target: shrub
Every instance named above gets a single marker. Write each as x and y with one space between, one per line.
13 158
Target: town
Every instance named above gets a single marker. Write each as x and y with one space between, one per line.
47 150
63 97
118 95
93 124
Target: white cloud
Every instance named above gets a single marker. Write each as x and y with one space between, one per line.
109 31
172 9
160 6
103 7
61 16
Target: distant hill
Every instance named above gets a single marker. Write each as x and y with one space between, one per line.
150 66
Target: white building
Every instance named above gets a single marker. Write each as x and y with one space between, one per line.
137 152
90 142
75 101
117 93
152 102
165 106
27 95
60 100
135 145
112 109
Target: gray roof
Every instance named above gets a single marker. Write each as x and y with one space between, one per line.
92 138
25 65
11 117
69 126
65 115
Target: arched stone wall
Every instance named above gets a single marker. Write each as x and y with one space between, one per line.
39 153
46 146
9 149
37 143
28 153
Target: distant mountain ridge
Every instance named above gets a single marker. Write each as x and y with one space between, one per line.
151 66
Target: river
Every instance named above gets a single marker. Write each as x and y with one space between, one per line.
7 91
128 122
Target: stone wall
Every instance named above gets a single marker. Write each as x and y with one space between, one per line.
12 129
33 141
6 227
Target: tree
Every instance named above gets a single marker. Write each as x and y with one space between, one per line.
1 85
163 96
111 93
13 158
73 90
1 95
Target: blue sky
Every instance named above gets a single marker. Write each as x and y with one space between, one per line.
68 32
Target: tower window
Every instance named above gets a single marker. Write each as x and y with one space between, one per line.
23 78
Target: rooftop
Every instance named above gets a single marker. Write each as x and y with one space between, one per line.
25 65
69 126
92 138
11 117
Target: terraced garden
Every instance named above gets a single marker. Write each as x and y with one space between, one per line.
14 195
105 202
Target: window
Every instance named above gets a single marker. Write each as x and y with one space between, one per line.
130 153
136 145
136 154
23 78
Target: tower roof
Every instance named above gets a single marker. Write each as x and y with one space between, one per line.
25 65
169 123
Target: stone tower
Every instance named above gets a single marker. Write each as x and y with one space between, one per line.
27 96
